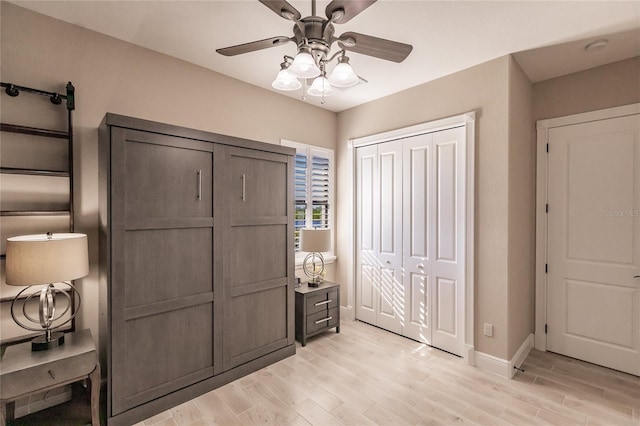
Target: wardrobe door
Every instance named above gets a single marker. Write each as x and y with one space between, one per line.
255 189
162 265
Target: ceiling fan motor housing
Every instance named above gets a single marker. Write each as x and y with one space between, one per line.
317 33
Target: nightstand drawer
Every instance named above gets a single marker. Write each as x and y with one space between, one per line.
324 319
322 301
41 376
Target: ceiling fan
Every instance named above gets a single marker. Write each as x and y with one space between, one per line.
314 35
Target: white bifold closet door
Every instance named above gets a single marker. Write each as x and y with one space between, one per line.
411 237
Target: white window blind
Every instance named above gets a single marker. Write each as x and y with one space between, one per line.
313 192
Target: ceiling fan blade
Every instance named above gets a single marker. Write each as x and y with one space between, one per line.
374 46
282 8
347 9
253 46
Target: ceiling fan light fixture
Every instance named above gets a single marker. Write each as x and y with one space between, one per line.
286 81
343 75
303 65
321 87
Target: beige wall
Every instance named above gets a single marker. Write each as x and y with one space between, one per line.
521 255
485 90
114 76
603 87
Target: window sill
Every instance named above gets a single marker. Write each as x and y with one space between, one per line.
327 260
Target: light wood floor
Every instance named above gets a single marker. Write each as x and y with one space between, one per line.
366 376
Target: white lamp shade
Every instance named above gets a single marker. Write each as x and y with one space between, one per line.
321 87
304 66
343 76
286 81
40 259
315 240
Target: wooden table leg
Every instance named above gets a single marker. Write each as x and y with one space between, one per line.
94 379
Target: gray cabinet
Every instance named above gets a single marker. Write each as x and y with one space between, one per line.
258 260
196 262
317 310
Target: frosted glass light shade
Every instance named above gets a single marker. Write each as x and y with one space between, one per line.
315 240
304 66
40 259
343 76
321 87
286 81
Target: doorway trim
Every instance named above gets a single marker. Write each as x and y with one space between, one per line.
469 121
543 127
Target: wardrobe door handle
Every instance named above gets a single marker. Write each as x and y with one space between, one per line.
244 187
199 193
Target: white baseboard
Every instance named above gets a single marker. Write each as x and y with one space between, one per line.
503 367
347 312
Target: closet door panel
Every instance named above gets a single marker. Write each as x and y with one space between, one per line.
368 269
448 245
446 201
389 183
417 233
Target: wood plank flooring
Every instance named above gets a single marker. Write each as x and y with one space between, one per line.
367 376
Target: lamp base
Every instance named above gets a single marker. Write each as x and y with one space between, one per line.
41 343
315 282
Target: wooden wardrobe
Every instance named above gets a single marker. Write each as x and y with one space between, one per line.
196 262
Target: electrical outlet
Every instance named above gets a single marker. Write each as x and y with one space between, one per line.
488 329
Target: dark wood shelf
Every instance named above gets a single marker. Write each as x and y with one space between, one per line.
35 213
33 172
48 133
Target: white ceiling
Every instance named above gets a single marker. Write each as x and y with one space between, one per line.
447 36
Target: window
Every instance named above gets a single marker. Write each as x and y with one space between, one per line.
313 193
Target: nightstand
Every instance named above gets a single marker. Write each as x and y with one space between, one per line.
23 372
317 310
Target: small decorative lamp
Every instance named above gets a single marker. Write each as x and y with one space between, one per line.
314 241
46 259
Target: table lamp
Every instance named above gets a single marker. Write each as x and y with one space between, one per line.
46 259
314 241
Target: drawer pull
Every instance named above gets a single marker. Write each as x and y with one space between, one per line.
323 320
199 191
53 376
244 188
324 302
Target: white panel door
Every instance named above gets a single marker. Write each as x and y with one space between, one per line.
389 228
416 236
448 239
367 265
593 299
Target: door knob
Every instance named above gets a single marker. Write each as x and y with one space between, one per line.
421 266
388 262
637 276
